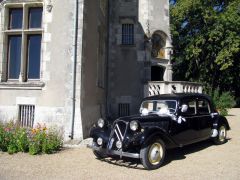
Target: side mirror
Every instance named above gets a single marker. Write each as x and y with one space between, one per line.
184 108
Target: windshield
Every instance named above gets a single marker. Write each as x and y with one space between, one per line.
159 106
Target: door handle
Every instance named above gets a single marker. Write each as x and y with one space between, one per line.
214 114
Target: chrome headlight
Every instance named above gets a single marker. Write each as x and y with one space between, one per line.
133 125
99 141
101 123
119 144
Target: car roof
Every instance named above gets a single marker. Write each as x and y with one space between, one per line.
178 96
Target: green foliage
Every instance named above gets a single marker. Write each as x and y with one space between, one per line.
34 148
7 138
3 140
38 140
52 142
223 101
22 139
206 42
12 148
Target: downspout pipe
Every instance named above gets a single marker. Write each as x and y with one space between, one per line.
74 67
107 61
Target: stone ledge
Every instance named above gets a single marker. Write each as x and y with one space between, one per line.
127 46
77 143
22 85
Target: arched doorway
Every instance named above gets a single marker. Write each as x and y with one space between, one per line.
157 73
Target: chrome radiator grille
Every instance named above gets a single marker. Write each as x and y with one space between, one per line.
117 134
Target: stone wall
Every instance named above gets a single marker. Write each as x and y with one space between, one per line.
93 63
130 65
53 98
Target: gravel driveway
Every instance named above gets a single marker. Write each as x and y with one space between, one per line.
199 161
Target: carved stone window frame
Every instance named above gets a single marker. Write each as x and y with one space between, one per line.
25 31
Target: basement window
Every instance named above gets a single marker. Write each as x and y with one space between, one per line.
123 109
26 115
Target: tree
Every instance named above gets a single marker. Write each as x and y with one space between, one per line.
206 40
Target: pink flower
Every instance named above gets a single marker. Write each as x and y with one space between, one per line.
38 126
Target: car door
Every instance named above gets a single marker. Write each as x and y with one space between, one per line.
187 131
204 118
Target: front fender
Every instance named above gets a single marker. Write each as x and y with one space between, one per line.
97 132
152 133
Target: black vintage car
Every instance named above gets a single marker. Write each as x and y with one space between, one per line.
165 121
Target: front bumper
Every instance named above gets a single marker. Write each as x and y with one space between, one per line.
113 152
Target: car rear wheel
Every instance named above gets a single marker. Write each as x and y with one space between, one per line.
152 154
222 135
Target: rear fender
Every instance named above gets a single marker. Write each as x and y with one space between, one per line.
223 120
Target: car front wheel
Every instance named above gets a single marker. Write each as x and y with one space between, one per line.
222 135
99 154
152 154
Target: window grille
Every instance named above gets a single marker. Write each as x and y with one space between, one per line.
26 115
123 109
127 34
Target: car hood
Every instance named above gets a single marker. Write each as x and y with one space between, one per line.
146 119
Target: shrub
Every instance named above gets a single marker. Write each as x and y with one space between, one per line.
223 101
34 148
3 145
12 148
52 142
38 140
38 135
7 138
22 140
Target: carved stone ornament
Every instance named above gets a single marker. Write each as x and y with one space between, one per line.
158 47
49 6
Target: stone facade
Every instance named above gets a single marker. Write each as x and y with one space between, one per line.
110 75
130 65
52 94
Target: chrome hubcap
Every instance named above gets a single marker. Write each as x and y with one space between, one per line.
222 133
155 153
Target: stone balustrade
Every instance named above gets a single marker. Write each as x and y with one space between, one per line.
168 87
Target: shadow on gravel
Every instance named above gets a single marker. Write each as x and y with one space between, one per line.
180 153
125 162
171 155
230 115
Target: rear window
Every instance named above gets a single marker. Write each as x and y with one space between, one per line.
203 107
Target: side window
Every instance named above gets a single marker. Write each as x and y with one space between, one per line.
191 103
203 107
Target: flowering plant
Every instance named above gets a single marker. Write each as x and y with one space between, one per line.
33 140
